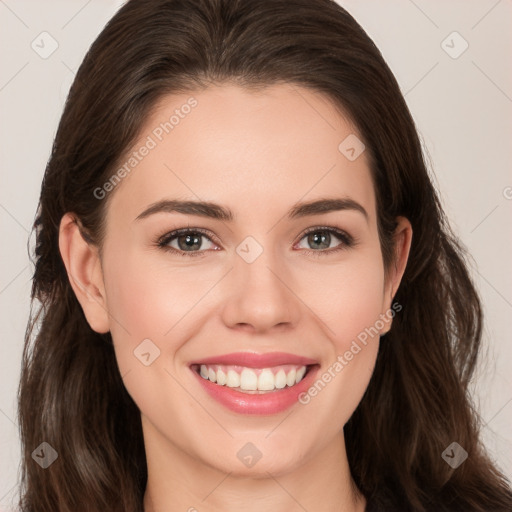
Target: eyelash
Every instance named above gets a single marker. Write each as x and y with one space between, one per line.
347 241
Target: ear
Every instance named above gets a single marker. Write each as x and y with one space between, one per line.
83 265
402 239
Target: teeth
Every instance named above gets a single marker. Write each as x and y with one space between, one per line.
290 378
253 379
300 374
233 379
248 380
266 380
280 379
221 377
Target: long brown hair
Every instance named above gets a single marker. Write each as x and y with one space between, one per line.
71 394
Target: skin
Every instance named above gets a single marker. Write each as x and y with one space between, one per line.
258 153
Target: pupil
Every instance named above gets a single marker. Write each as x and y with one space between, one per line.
190 242
320 238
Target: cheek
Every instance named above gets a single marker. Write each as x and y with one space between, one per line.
147 299
350 308
347 297
145 304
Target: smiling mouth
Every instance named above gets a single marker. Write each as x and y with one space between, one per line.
253 380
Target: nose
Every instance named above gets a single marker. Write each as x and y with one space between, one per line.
260 295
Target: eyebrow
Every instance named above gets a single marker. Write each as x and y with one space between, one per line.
218 212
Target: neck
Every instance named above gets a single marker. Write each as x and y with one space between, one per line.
180 482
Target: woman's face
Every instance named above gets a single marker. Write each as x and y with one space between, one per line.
254 284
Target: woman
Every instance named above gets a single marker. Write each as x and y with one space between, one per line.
197 348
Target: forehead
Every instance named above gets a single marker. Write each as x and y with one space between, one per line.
252 150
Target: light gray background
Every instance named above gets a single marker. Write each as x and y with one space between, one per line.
461 105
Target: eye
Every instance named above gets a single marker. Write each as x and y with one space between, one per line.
321 238
187 242
190 241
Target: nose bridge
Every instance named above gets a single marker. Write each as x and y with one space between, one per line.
258 293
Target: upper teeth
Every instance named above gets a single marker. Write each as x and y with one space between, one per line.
252 379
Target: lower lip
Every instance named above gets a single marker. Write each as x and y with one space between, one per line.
271 402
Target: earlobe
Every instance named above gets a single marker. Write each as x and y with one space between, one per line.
85 275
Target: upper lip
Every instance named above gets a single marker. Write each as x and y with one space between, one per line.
254 360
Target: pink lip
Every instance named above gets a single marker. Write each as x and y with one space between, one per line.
271 402
252 360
